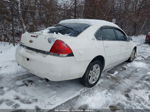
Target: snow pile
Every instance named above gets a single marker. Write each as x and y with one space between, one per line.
138 65
7 50
139 39
148 73
7 59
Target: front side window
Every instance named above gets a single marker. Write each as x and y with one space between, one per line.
120 35
108 34
70 29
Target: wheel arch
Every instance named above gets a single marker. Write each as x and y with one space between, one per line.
84 79
101 59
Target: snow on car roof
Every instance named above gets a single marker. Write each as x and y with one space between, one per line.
90 22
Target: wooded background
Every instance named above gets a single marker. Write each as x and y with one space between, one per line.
18 16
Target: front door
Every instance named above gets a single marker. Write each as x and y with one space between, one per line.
124 44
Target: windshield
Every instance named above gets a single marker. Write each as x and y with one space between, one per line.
70 29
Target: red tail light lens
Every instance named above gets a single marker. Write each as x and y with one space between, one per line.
148 37
61 49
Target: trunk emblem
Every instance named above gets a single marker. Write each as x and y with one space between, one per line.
30 41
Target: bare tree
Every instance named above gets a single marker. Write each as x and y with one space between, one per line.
19 16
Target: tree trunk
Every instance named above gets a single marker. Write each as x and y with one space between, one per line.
20 17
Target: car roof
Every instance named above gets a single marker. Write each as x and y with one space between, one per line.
90 22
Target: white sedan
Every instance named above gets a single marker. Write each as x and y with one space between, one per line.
75 48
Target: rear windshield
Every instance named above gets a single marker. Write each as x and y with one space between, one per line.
70 29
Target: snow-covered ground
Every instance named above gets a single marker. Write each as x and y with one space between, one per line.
20 89
124 87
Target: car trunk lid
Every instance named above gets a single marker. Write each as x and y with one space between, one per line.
38 41
42 41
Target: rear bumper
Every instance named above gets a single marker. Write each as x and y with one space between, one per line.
147 41
50 67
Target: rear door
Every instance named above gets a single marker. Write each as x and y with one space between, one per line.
111 46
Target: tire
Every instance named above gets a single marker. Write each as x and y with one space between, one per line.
95 67
132 56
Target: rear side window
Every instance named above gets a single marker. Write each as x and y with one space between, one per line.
98 35
120 35
108 34
70 29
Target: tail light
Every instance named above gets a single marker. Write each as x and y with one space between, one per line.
60 48
148 37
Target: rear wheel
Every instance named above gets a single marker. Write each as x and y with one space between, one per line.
92 74
133 56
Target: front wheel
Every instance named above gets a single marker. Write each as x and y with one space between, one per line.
92 74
